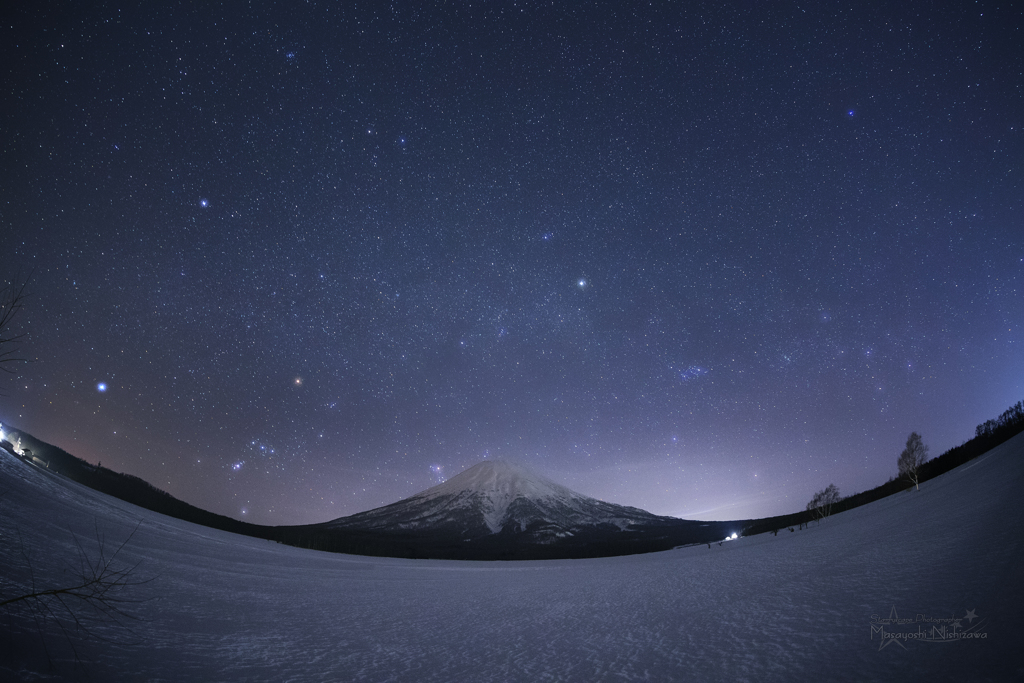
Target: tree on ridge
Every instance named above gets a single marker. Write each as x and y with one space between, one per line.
822 502
911 459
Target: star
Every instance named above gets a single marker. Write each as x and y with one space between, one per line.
894 617
970 616
704 269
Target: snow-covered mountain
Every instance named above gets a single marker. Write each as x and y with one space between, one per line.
494 497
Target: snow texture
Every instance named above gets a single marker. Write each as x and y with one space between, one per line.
802 605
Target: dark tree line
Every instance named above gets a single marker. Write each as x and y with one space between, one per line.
987 436
1012 419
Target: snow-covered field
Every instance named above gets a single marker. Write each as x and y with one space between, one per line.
804 606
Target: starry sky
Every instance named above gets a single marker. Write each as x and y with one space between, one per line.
292 261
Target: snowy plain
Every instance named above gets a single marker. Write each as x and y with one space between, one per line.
807 605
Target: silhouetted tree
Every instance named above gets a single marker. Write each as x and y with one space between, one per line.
911 459
95 585
12 298
822 502
1011 417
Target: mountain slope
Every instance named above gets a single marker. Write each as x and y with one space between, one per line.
494 496
494 511
499 510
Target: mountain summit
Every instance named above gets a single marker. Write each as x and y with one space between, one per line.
495 496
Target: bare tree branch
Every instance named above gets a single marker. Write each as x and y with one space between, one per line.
822 502
96 587
12 299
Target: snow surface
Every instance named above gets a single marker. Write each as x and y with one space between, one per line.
491 495
797 606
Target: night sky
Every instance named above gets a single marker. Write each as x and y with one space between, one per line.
297 260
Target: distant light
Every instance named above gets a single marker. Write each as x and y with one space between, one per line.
733 536
581 283
204 203
101 387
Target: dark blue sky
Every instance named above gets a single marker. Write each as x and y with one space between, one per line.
702 260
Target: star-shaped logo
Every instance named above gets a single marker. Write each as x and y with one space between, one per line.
886 642
970 616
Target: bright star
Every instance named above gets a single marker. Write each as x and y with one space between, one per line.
204 203
101 387
581 283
